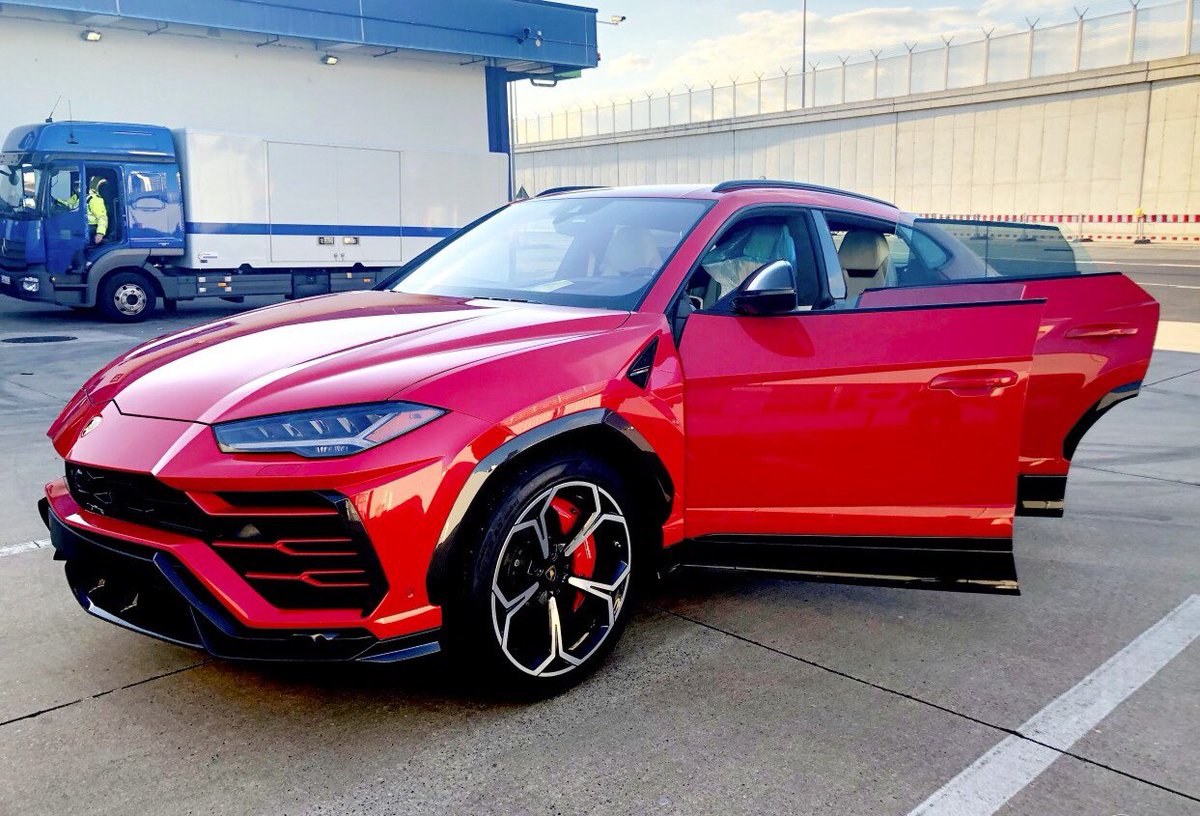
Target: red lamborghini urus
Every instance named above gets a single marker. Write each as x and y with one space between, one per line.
491 453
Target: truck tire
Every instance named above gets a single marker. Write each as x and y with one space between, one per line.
126 297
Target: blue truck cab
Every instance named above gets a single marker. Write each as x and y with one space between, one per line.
48 252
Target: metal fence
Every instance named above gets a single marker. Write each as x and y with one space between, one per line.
1140 33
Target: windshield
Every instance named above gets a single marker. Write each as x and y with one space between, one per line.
18 188
597 252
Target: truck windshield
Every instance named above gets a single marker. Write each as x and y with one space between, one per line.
589 251
18 188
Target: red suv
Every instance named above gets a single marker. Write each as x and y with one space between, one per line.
494 450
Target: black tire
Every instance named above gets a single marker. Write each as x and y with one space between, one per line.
126 297
501 555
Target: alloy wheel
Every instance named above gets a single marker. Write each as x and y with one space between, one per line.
561 579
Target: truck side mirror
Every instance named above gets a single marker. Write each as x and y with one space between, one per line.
770 290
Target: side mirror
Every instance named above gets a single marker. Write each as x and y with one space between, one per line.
770 290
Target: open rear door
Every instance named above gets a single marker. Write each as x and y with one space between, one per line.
1092 350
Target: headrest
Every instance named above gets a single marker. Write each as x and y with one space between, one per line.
630 249
862 250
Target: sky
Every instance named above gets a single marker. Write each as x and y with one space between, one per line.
671 43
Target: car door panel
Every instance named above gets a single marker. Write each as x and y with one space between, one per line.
933 295
1092 351
895 425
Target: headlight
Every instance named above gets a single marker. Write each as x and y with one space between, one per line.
324 432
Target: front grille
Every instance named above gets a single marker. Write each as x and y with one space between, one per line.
134 497
298 549
12 253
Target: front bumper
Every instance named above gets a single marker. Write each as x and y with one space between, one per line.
12 284
150 591
63 289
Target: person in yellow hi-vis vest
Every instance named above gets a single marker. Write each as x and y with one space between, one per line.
97 210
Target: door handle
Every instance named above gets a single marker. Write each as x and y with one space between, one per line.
1101 331
975 383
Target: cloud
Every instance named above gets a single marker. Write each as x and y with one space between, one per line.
767 41
627 64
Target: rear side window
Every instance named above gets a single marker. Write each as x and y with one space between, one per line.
1007 250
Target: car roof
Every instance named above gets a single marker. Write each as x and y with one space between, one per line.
743 191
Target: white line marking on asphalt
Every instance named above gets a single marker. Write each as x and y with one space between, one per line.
1169 285
13 549
1002 772
1176 335
1142 263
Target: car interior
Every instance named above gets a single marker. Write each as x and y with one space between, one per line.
748 245
632 251
866 262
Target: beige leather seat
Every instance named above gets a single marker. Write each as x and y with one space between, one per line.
866 262
632 249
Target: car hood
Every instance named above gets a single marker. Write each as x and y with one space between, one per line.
332 350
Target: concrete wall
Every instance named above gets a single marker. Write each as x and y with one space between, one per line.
215 84
1099 143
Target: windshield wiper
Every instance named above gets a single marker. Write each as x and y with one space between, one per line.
507 299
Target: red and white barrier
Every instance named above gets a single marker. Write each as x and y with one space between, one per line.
1093 218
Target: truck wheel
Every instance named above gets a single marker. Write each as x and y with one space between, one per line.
126 297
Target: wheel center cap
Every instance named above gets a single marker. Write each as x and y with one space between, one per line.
551 573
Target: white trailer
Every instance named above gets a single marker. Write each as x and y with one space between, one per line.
325 205
194 214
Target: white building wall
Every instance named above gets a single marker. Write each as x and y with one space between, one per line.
1098 143
211 84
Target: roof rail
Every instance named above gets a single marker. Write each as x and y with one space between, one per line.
746 184
570 189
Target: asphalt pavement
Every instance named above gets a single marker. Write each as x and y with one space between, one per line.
727 695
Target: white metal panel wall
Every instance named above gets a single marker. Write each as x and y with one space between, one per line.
224 183
394 102
368 194
303 194
448 190
1173 149
1083 151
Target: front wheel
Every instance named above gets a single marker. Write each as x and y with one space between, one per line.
126 297
551 577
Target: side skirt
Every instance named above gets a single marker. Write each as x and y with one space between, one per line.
955 564
1041 495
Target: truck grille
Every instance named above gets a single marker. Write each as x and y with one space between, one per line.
12 253
298 549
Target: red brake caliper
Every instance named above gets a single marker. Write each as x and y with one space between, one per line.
583 560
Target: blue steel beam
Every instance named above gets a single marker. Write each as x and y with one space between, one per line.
476 28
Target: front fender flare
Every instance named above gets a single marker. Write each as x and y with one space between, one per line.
596 418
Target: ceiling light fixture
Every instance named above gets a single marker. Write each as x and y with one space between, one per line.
91 35
329 59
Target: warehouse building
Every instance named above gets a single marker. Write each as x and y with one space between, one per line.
430 80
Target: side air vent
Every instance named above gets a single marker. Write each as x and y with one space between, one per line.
640 368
